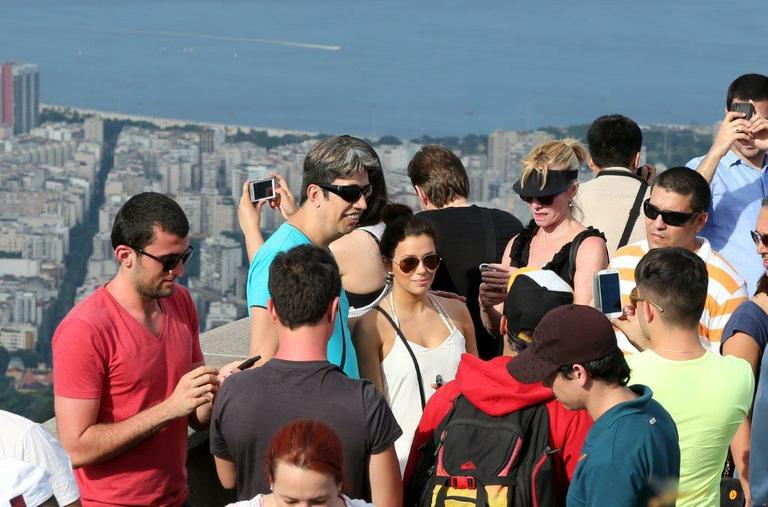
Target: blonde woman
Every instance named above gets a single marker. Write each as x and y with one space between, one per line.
554 239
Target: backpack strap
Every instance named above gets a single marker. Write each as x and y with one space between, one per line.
576 243
400 334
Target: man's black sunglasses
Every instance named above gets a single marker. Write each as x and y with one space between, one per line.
169 261
759 238
350 193
673 218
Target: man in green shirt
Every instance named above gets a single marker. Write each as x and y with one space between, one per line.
707 395
631 455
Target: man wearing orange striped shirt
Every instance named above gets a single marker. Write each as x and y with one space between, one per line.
674 214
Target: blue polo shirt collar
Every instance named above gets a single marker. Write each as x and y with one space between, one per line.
731 159
615 413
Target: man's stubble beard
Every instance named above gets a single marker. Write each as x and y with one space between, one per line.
146 289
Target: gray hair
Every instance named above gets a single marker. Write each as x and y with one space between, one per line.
339 157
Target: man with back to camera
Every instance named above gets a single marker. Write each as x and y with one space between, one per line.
707 395
631 455
735 167
611 202
491 389
29 442
334 191
467 234
128 369
300 383
674 214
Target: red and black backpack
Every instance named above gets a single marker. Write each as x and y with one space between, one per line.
475 459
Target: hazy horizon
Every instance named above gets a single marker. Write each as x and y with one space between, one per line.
447 68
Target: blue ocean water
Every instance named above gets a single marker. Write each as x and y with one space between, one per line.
399 67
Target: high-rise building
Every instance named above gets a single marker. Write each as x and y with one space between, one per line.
94 129
220 260
20 92
206 145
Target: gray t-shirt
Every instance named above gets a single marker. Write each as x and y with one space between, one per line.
252 405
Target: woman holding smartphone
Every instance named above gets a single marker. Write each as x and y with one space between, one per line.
554 239
414 340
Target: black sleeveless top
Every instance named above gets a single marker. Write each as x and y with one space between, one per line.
561 262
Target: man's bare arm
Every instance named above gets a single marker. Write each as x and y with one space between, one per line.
734 127
386 485
226 471
88 441
263 334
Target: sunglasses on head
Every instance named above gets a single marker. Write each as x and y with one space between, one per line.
169 261
634 298
546 200
409 264
673 218
759 238
350 193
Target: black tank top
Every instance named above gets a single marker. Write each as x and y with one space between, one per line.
560 263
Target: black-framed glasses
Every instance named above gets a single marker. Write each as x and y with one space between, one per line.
410 263
546 200
350 193
169 261
673 218
759 238
634 298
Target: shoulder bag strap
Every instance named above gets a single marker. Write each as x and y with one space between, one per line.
400 334
616 172
343 345
634 212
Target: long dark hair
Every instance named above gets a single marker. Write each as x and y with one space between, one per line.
762 285
401 223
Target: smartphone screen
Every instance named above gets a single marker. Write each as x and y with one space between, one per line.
262 189
610 296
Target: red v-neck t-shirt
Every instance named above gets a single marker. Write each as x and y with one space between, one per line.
101 352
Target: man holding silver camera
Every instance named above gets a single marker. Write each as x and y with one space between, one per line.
334 194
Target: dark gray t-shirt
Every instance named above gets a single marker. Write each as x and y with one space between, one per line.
252 405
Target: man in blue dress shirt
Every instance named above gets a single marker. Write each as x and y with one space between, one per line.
735 167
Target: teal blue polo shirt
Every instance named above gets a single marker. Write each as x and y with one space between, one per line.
340 348
630 456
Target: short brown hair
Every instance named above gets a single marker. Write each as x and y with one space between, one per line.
439 173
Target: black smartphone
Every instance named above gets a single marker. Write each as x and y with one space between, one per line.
248 363
744 107
260 190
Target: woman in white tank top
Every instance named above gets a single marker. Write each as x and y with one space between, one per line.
437 330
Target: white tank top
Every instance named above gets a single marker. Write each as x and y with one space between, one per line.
401 383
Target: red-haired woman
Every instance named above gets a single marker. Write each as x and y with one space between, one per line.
305 467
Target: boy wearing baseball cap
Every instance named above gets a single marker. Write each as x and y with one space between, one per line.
631 455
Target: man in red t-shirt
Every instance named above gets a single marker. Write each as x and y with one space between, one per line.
128 369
